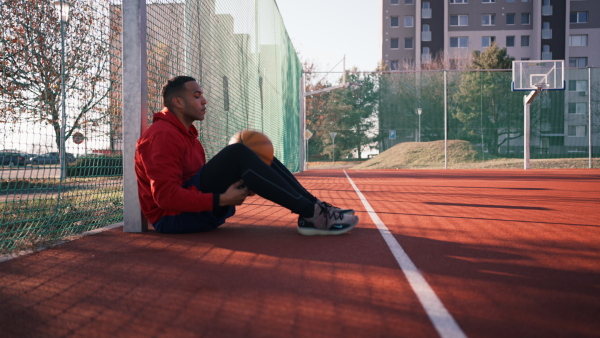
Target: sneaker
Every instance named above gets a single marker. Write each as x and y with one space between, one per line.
326 221
343 211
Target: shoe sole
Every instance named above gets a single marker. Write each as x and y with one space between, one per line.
306 231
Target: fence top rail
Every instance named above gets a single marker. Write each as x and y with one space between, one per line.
427 71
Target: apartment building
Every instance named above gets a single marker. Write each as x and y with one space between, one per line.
415 32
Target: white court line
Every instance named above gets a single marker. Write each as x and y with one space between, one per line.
443 322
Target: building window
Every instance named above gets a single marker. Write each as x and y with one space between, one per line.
577 131
524 40
488 1
510 1
225 93
486 41
510 18
546 30
578 62
409 43
459 1
426 55
409 21
426 33
459 42
578 85
546 52
426 5
393 2
525 19
394 21
394 43
488 19
579 17
578 40
510 41
409 2
578 107
459 20
394 65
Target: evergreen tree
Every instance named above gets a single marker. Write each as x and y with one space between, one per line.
484 110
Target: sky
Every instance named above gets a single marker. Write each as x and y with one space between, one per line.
323 31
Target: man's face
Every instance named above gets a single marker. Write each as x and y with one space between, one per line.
194 103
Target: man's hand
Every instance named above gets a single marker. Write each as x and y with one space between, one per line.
235 194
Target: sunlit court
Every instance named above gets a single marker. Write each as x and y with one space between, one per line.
432 194
490 253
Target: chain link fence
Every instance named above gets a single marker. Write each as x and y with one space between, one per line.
457 119
61 99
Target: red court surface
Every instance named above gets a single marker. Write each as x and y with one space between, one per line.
508 253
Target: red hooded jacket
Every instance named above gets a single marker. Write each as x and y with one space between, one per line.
167 155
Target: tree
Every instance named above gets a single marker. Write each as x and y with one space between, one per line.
484 108
30 64
355 109
316 108
345 111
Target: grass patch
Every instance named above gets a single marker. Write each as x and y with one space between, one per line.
32 222
461 155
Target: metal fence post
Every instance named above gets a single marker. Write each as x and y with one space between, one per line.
135 106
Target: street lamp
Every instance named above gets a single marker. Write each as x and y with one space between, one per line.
63 8
419 111
333 133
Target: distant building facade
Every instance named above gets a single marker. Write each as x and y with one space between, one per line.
415 32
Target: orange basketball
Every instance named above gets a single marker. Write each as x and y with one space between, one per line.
257 141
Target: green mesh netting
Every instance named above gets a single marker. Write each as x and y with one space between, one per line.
240 53
483 116
238 50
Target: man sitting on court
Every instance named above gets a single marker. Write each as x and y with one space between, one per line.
180 192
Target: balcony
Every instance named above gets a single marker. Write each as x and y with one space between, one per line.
547 34
425 58
426 13
546 10
546 55
426 36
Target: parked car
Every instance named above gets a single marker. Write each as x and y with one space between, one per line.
12 159
50 158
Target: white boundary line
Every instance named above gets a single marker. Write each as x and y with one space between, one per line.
443 322
7 257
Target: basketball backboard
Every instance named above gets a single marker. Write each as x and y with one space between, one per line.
538 74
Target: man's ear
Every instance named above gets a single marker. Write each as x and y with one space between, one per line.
177 102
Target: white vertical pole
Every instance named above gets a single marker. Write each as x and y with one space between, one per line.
63 120
303 143
344 71
527 126
445 120
526 134
590 116
135 106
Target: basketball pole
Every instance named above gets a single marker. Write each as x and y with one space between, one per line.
527 125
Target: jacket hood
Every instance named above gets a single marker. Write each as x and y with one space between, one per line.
169 117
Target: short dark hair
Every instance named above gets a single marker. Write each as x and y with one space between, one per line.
174 88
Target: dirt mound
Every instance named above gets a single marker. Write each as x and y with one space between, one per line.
422 155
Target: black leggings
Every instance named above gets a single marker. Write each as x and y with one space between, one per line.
275 182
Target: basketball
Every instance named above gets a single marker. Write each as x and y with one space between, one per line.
257 142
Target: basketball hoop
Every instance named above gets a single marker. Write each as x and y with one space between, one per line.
536 77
